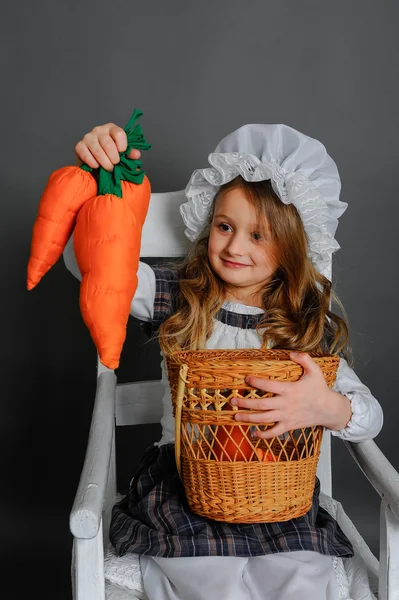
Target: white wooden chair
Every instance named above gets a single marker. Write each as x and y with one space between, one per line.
140 403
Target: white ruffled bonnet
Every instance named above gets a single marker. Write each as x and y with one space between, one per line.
301 173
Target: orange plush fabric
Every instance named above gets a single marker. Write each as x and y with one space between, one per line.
66 192
107 241
231 444
108 219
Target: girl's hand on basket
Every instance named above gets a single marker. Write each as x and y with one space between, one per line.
101 146
296 404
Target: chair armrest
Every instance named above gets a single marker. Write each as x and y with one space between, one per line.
85 516
378 470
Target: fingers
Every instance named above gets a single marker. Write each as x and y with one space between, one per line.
269 385
102 145
119 136
107 146
257 403
271 432
99 154
85 156
285 387
269 416
134 154
306 361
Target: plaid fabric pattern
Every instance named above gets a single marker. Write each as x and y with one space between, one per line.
155 519
237 319
166 291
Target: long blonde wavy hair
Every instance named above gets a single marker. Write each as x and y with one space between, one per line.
296 300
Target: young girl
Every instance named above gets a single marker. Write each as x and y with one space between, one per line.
262 221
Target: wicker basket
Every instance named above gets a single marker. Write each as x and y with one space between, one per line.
228 475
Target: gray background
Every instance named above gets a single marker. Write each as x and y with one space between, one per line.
197 71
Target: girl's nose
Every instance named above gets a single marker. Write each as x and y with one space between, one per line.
237 245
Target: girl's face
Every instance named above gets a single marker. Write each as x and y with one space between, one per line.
240 251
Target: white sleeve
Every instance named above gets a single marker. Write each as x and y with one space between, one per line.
70 259
367 417
142 306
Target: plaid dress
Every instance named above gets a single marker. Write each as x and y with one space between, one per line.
155 519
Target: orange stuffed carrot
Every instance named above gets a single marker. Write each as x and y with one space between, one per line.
231 444
66 192
266 456
107 240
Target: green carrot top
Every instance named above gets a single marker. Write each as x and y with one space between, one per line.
127 169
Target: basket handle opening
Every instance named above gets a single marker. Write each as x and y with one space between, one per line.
179 406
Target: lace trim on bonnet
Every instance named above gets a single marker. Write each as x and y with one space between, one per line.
289 181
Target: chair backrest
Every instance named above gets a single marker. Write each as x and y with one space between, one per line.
163 230
163 237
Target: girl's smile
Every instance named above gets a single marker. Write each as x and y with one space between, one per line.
233 265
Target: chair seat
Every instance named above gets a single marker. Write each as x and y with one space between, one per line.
114 592
122 576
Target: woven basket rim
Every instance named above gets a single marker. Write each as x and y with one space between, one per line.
245 355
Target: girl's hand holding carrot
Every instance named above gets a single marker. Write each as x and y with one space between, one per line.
303 403
102 145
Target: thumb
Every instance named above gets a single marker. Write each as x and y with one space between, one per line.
134 154
306 361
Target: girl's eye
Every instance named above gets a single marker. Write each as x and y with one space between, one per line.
257 236
225 227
